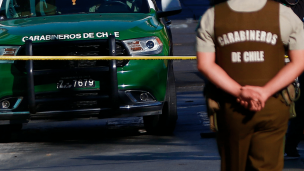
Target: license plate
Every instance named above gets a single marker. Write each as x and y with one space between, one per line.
80 83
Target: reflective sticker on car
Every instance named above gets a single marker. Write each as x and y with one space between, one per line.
91 35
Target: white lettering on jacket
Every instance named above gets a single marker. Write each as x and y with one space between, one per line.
247 35
247 56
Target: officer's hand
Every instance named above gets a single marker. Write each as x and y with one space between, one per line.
250 99
260 91
262 96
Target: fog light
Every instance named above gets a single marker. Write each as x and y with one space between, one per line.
10 103
139 96
144 97
5 104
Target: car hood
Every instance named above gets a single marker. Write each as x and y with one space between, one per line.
77 27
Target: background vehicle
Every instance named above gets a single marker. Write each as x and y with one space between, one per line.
72 89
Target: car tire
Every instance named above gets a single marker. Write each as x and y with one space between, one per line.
6 131
165 123
15 127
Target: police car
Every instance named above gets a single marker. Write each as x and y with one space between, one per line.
69 89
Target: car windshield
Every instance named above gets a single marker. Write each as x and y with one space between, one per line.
34 8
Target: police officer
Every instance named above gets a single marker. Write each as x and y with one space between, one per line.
296 125
240 49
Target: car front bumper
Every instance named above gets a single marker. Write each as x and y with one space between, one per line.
143 109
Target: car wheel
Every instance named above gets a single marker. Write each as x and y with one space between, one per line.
15 127
165 123
6 130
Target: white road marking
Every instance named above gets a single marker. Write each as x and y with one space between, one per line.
178 26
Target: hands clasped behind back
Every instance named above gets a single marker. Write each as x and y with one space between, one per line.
252 98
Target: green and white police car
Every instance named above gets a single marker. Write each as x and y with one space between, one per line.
69 89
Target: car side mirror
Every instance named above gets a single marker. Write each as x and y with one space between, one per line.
169 7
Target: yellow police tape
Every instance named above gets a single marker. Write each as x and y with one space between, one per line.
97 57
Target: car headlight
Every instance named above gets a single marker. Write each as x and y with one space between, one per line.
144 46
8 51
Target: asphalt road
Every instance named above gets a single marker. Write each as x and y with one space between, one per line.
123 144
114 144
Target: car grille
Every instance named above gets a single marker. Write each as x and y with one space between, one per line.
49 72
70 105
77 48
